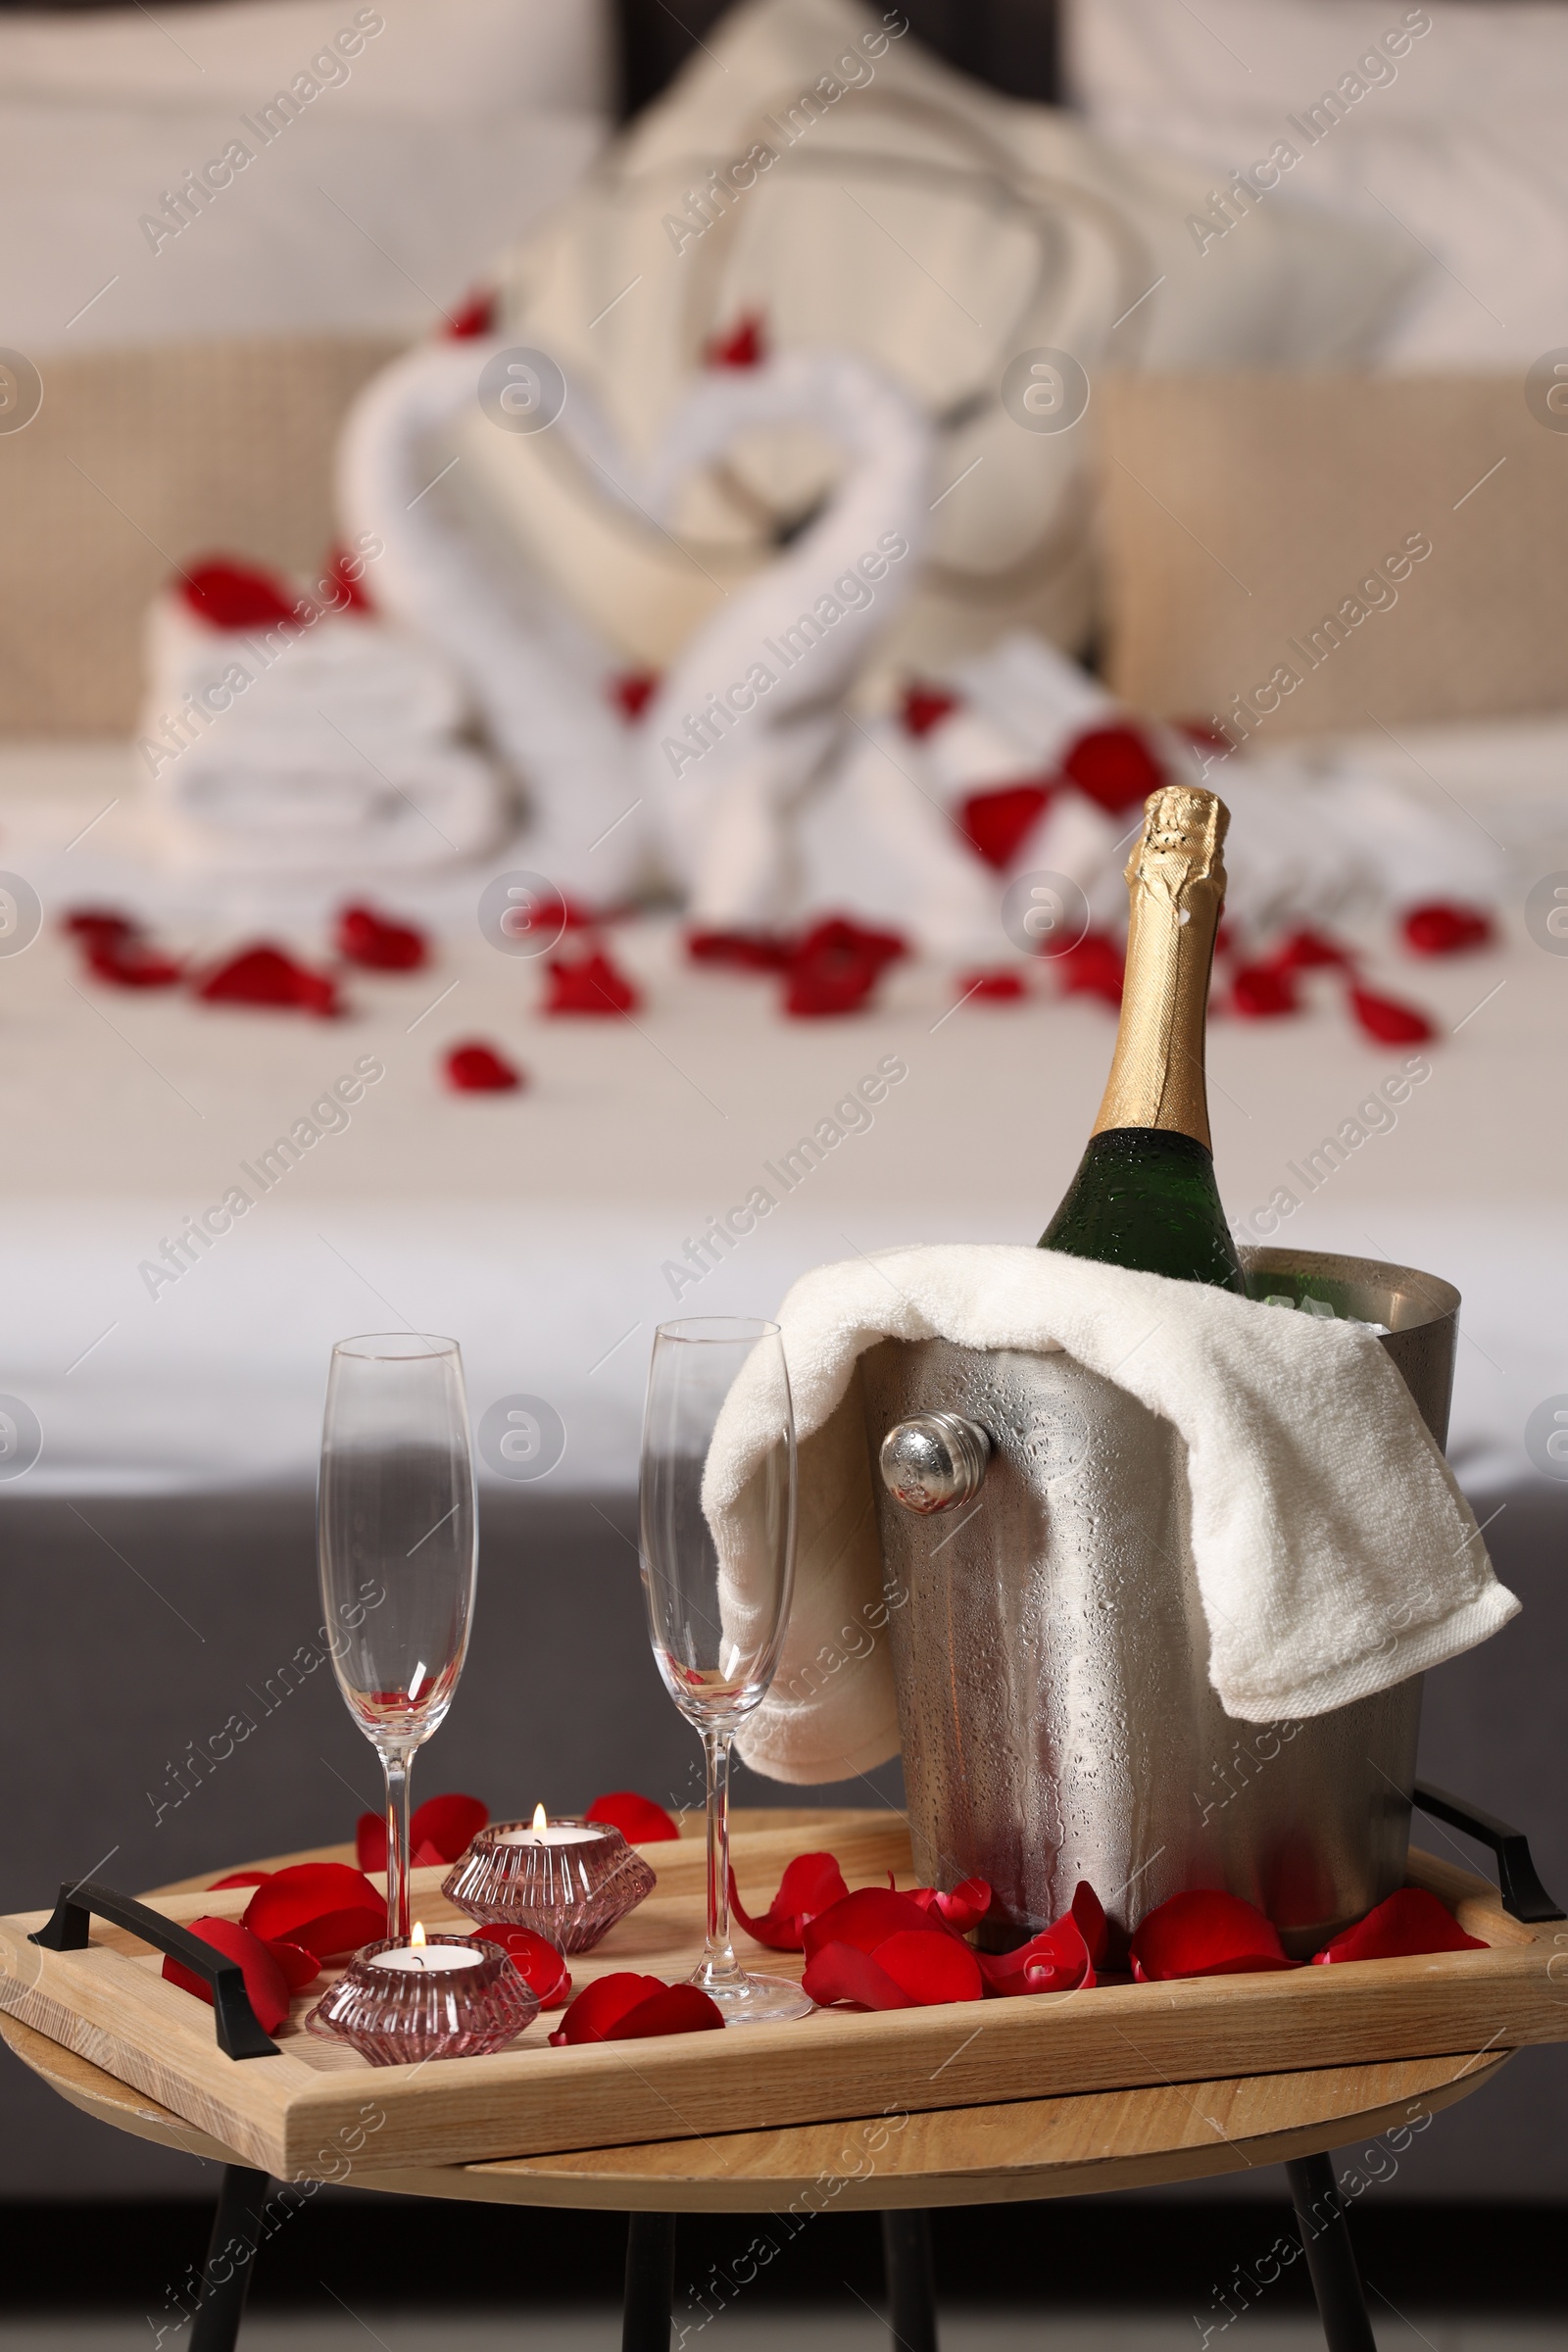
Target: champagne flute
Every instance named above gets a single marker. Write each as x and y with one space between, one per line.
717 1568
398 1546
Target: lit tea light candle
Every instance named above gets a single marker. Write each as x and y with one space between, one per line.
432 1959
545 1831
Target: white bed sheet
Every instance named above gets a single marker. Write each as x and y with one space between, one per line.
539 1229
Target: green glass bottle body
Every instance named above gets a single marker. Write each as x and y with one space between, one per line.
1145 1194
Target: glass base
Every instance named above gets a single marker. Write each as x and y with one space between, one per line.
748 2000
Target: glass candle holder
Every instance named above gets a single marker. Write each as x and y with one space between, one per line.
568 1880
449 1997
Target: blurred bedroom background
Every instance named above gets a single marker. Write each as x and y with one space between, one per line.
414 420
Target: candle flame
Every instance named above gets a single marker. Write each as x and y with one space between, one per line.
417 1935
541 1819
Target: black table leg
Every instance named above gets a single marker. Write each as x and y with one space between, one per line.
1330 2256
650 2283
912 2281
230 2255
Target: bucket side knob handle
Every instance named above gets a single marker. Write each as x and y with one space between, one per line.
935 1461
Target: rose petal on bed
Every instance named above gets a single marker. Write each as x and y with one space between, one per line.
265 1979
94 923
811 1884
925 707
1309 951
377 942
128 963
475 1068
745 346
590 983
836 965
741 951
325 1906
265 977
1387 1020
998 822
1093 967
229 595
540 1964
1203 1933
602 2003
992 988
1114 766
1446 927
632 691
638 1819
1259 993
1408 1921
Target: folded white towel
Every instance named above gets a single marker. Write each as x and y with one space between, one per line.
276 806
1334 1553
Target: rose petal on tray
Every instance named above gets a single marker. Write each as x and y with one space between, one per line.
1203 1933
540 1964
441 1830
325 1906
914 1968
628 2007
1407 1922
1056 1960
265 1979
810 1884
241 1878
866 1917
638 1819
961 1908
299 1967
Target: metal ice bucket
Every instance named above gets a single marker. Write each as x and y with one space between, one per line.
1051 1650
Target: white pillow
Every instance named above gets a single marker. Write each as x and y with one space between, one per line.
1456 140
443 58
938 229
341 224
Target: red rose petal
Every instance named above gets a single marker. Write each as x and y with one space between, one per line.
541 1966
840 1973
602 2004
475 317
638 1819
591 984
674 2009
997 824
1056 1960
1090 1913
1388 1022
930 1969
299 1967
632 692
925 707
1443 927
1203 1933
1407 1922
1308 951
369 1842
968 1902
992 988
325 1906
475 1068
1093 967
740 951
264 1979
1261 993
1114 766
835 967
350 592
811 1884
267 977
97 924
241 1878
745 346
364 937
867 1917
449 1823
238 596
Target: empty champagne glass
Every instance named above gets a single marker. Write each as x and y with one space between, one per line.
397 1541
717 1564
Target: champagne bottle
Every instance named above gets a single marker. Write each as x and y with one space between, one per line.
1144 1193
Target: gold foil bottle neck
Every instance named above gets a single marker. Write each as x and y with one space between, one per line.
1176 886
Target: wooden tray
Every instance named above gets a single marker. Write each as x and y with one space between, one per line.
316 2108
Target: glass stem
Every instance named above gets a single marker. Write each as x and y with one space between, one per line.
398 1765
717 1957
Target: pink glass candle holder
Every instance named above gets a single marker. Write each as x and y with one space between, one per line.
450 1996
568 1880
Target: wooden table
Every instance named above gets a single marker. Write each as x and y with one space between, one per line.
899 2165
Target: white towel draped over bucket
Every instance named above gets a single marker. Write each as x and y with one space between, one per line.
1333 1550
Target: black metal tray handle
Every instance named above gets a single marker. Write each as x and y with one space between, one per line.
1523 1895
239 2029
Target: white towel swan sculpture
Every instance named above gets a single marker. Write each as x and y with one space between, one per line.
746 779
